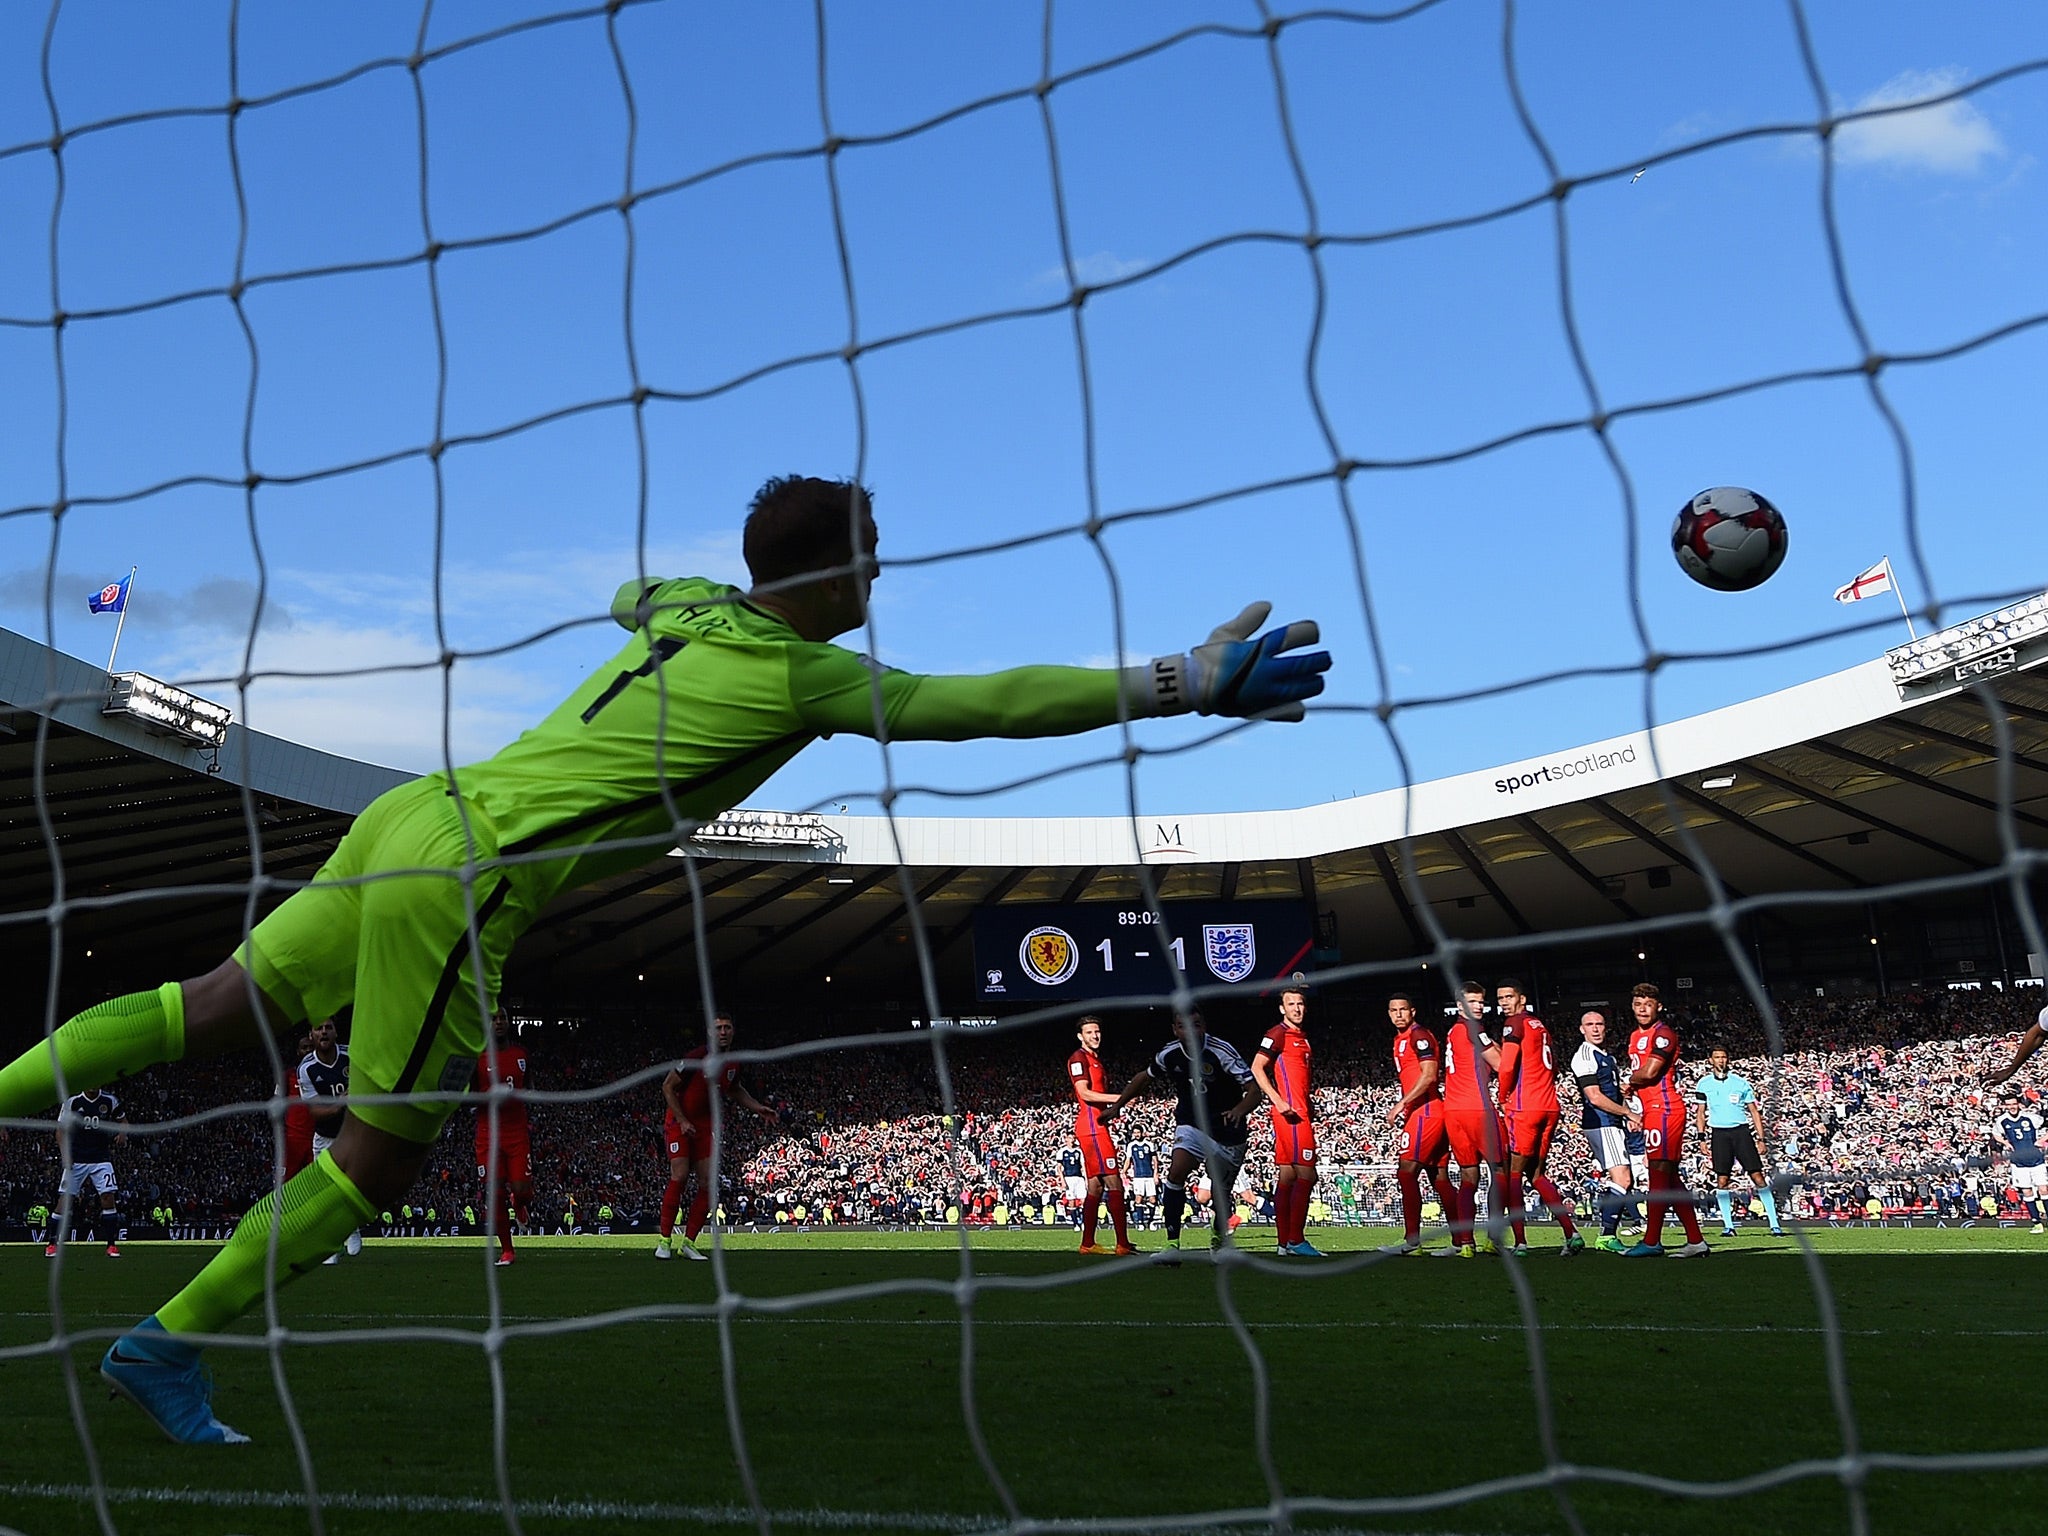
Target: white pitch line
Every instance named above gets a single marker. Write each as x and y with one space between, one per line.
599 1509
1389 1324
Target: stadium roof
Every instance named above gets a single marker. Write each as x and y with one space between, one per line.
1884 773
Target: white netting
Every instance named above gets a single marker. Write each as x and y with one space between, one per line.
1379 699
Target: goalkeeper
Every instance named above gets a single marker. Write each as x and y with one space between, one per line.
412 918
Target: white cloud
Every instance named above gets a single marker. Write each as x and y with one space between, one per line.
1954 138
1090 271
366 642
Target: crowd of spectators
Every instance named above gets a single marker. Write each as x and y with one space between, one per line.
1872 1102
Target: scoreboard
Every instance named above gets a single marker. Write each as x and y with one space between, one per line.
1055 952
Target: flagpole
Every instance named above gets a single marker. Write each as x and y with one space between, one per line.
1889 576
122 622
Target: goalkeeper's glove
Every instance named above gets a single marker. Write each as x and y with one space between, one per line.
1233 673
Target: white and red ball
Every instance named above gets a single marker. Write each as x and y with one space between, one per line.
1729 539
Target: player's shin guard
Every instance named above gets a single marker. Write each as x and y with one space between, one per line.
313 1215
1174 1206
1411 1203
107 1041
671 1202
1114 1199
700 1212
1553 1198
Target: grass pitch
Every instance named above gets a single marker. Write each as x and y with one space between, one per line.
1103 1389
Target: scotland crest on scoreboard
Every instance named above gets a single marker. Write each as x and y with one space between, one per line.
1229 950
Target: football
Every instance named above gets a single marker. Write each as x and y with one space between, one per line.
1729 539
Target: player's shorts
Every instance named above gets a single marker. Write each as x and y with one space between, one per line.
1664 1135
1425 1137
1471 1143
2024 1179
1732 1144
1146 1188
99 1175
321 1143
515 1161
695 1147
1609 1144
1294 1141
298 1153
1098 1152
1204 1148
1530 1136
398 947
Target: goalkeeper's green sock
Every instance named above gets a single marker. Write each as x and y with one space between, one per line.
321 1206
107 1041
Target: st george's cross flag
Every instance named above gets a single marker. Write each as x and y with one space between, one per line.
1876 580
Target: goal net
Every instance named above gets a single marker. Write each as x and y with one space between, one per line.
360 354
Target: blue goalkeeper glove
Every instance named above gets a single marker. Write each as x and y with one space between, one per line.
1233 673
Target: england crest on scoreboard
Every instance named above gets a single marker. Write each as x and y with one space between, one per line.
1229 950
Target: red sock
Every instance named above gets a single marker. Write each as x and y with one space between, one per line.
504 1232
1552 1198
1411 1203
1653 1213
1517 1204
1114 1199
671 1202
1297 1213
1464 1206
1446 1194
700 1212
1088 1217
1687 1216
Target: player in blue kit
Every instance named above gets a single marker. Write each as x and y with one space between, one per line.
94 1122
1204 1073
2019 1131
1606 1121
1727 1113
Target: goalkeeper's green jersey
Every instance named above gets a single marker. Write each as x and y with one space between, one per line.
711 696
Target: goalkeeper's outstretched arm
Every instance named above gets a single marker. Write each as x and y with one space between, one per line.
1235 672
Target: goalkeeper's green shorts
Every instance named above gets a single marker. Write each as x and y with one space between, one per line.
384 925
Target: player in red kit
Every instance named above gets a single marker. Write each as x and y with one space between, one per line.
1471 1057
1653 1094
1528 1100
298 1116
504 1147
687 1134
1425 1142
1281 1069
1089 1080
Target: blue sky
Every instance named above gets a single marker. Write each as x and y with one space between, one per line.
1709 271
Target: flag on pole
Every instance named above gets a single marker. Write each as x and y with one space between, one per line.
1876 580
113 597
